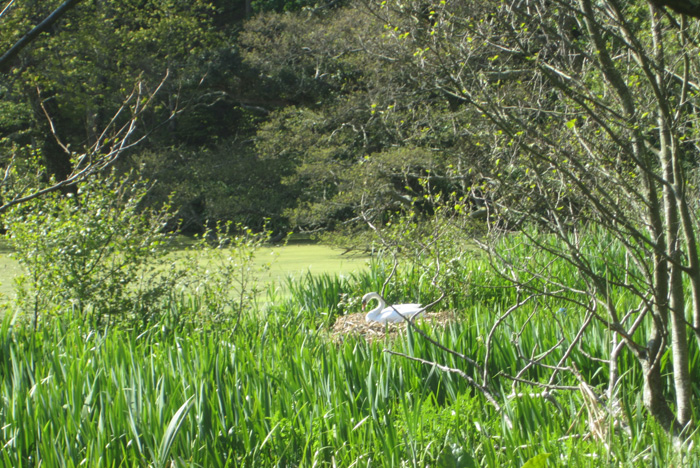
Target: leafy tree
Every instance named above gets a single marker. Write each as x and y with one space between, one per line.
357 126
226 182
66 88
594 119
43 26
78 76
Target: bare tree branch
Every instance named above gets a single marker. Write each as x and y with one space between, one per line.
7 57
484 391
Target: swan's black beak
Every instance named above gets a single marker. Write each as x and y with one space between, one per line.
364 304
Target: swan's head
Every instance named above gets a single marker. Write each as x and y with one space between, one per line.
371 315
368 297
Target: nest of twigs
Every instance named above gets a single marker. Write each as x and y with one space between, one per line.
355 325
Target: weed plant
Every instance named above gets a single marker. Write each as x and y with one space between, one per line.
98 255
94 253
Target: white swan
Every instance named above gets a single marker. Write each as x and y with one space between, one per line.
384 314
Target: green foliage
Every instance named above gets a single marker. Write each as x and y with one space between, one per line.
220 284
538 461
97 52
310 117
80 73
328 99
352 134
15 121
276 391
225 183
171 432
283 5
359 112
94 254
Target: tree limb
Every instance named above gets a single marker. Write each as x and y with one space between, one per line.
7 57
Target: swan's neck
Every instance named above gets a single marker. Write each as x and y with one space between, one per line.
374 313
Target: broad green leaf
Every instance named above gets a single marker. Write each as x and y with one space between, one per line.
172 431
538 461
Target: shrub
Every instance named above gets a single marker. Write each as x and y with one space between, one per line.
95 254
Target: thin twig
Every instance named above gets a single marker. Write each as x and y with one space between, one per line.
498 322
484 391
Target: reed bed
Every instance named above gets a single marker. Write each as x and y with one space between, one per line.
276 397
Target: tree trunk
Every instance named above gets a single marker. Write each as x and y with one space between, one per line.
673 202
653 396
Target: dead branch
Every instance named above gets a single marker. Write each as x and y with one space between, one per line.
96 158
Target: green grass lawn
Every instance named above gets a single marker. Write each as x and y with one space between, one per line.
298 259
9 269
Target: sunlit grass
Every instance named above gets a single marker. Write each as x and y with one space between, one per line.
274 395
9 270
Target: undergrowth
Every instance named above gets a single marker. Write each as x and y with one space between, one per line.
275 396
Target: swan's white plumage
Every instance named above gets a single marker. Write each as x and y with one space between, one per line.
393 313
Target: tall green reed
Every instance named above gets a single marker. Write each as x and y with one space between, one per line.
275 397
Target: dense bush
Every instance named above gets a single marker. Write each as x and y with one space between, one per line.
94 254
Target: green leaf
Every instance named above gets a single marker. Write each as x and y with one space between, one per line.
538 461
456 458
172 431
